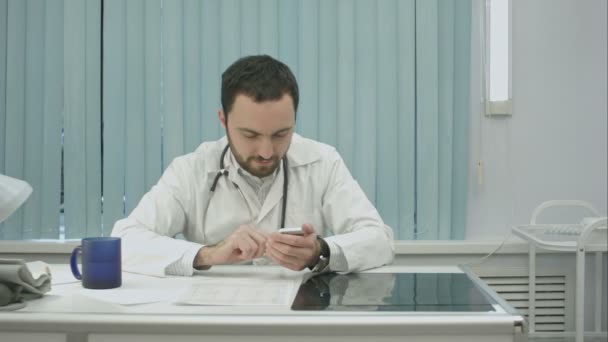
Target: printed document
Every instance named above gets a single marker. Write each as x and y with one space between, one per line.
240 291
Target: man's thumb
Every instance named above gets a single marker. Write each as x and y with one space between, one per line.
308 229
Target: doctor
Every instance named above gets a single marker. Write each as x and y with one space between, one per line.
229 197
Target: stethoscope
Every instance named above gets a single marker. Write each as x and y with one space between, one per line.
224 172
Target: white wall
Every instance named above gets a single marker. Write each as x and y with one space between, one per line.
554 146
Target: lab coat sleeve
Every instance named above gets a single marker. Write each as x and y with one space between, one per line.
147 234
359 232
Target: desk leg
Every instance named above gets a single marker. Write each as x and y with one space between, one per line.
580 294
532 287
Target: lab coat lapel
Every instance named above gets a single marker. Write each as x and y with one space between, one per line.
274 196
301 152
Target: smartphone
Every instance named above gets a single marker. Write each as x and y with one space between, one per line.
292 231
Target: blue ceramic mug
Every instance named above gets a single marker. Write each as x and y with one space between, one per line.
100 263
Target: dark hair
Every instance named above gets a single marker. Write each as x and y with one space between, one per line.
261 77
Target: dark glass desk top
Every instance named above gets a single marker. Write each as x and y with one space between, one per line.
429 292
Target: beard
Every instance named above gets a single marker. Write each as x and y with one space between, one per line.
249 163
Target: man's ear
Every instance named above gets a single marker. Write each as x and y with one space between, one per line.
222 117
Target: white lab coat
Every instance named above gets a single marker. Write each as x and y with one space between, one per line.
321 191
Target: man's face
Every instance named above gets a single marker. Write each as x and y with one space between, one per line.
259 134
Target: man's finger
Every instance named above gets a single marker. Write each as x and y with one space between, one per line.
247 246
260 251
293 251
258 236
288 239
308 229
260 240
282 259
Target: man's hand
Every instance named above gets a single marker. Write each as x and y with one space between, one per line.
293 251
245 243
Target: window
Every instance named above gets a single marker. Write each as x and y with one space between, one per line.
497 57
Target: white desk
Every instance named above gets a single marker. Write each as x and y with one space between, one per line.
65 313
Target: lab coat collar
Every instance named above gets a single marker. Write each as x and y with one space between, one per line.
301 152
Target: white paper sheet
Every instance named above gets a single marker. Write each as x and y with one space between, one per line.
129 296
239 291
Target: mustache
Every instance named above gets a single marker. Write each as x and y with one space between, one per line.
258 158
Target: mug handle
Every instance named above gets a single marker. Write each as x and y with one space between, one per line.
74 262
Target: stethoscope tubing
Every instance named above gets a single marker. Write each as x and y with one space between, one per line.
224 172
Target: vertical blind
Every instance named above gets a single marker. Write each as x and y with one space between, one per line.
385 81
31 105
82 118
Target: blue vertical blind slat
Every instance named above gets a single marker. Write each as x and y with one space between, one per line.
462 74
92 90
328 71
30 111
75 119
152 106
114 103
52 121
406 123
192 75
364 168
82 165
230 31
3 34
135 117
250 27
307 123
442 116
289 22
269 29
33 114
210 70
173 81
445 44
345 101
14 148
427 78
387 194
